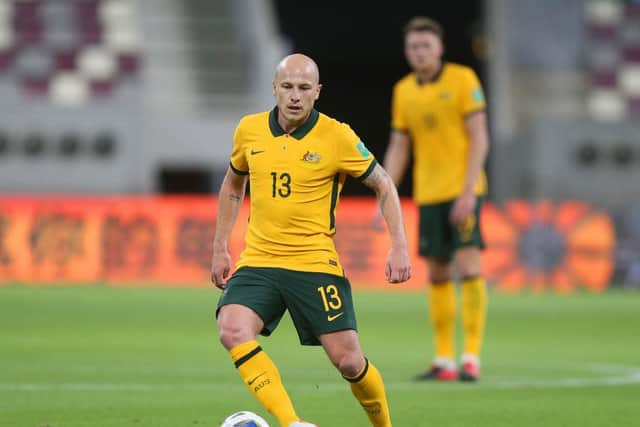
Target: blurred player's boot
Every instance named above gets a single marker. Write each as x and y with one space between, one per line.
470 369
441 370
302 424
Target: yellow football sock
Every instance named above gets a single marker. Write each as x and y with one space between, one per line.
442 310
368 388
262 378
474 312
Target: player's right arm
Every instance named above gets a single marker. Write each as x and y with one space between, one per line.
398 151
396 159
397 155
230 198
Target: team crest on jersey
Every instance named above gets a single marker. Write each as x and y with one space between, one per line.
310 157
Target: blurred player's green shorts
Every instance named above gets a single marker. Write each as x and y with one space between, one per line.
439 238
317 302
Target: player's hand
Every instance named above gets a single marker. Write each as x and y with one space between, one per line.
220 268
398 268
463 208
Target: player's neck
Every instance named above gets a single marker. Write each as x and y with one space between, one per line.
426 75
290 126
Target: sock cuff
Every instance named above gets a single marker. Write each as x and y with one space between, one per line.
245 351
359 376
444 362
470 358
468 279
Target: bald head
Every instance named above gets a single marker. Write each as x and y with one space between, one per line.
298 65
296 87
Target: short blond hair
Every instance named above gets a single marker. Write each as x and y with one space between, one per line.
423 23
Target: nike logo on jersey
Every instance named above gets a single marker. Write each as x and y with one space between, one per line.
335 316
251 381
254 152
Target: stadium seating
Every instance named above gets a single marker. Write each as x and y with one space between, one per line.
69 51
613 29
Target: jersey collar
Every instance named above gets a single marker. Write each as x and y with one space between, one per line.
435 77
300 132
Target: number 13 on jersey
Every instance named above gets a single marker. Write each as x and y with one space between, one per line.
280 184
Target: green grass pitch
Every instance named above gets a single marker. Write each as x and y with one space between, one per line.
100 356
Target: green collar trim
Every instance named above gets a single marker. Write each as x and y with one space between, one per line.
300 132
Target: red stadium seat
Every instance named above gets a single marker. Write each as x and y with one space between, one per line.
36 86
6 60
101 89
65 60
129 63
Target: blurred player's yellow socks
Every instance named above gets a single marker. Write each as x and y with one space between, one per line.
262 378
442 310
368 388
474 312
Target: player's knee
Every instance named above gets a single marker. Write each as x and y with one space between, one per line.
468 262
439 276
468 270
439 271
232 335
439 279
349 364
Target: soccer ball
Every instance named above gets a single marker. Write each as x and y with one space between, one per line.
244 419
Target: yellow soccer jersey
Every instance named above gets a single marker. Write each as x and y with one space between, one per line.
295 182
433 114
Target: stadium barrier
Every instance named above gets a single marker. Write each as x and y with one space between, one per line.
166 241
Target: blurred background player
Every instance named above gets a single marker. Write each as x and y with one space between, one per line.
297 160
439 109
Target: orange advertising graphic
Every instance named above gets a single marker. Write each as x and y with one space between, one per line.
166 241
540 246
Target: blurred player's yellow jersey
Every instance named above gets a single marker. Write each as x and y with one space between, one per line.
433 114
295 182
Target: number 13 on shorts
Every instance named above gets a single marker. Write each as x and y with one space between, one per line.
330 297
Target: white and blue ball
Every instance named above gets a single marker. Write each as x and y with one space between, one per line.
244 419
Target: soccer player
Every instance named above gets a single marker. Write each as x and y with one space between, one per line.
439 111
296 160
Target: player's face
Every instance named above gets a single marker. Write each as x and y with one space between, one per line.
423 50
296 90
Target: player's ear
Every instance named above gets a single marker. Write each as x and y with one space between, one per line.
318 91
441 48
273 87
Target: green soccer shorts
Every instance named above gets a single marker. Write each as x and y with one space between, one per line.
439 238
318 303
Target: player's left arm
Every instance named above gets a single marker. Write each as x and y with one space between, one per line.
398 266
476 128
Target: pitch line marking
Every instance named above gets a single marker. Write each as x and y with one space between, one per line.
619 375
610 381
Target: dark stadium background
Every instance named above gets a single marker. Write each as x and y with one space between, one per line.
359 49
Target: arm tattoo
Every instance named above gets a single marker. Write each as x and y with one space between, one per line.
383 201
234 197
373 180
